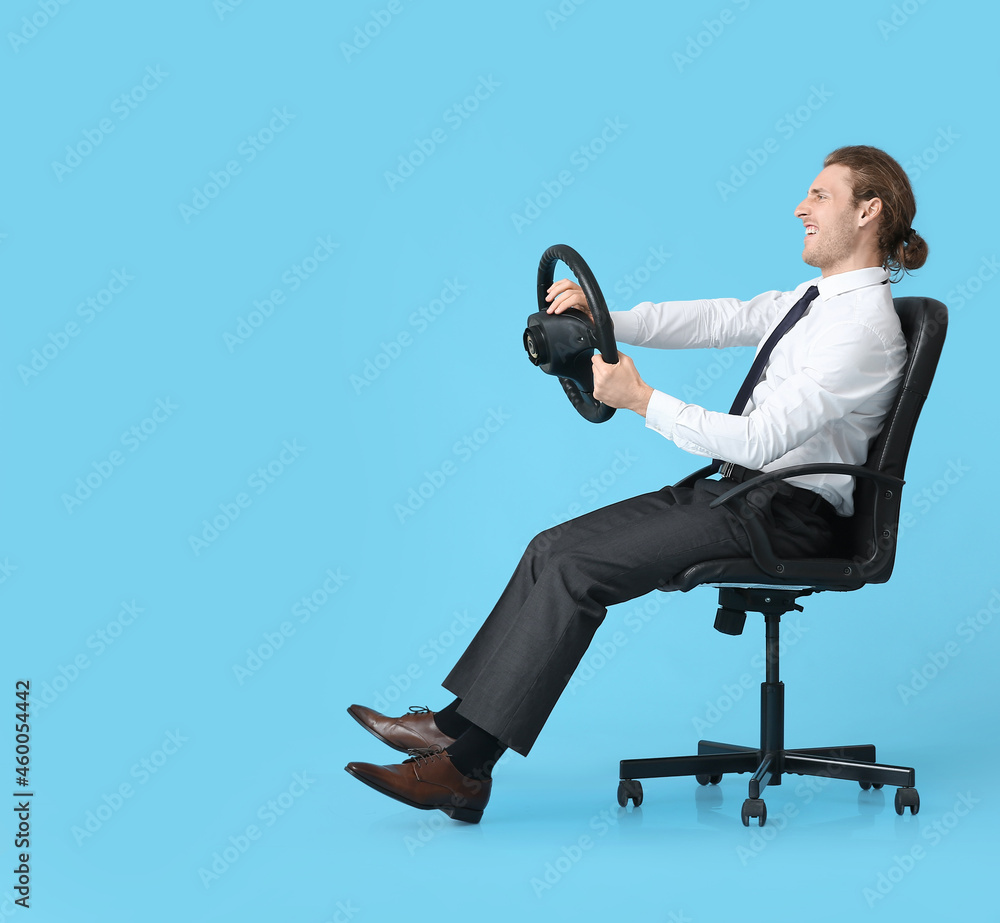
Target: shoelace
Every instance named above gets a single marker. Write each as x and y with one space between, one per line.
419 710
420 755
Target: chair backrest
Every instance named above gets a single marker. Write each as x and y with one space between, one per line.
870 535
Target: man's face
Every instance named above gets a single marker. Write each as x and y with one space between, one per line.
832 223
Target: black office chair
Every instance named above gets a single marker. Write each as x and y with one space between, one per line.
771 586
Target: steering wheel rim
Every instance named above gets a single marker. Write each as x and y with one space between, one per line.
604 332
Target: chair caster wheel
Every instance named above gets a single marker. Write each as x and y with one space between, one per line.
705 779
629 789
754 807
877 785
865 786
907 798
874 785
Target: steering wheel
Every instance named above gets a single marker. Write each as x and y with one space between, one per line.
563 344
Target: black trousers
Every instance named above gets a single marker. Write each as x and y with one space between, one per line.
516 667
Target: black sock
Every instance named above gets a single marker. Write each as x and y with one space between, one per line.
450 722
475 753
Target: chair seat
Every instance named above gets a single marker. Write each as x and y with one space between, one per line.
813 573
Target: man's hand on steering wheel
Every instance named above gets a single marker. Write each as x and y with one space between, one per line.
617 385
565 294
620 385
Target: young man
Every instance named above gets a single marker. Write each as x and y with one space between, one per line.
835 354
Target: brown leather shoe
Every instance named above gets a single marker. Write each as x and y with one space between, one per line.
415 730
427 781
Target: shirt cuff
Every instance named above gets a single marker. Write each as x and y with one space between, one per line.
626 325
661 413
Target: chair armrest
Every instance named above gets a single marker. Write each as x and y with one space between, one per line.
697 475
760 545
781 474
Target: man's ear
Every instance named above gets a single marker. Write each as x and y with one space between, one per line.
870 211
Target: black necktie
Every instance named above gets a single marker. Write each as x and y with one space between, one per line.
757 369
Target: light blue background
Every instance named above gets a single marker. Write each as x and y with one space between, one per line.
413 591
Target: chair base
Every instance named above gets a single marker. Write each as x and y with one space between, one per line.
771 759
854 763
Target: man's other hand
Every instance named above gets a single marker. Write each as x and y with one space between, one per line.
619 385
565 294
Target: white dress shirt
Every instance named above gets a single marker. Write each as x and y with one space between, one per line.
826 388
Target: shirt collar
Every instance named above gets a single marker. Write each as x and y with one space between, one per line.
842 282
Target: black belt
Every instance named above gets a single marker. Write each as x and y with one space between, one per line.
738 473
811 498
